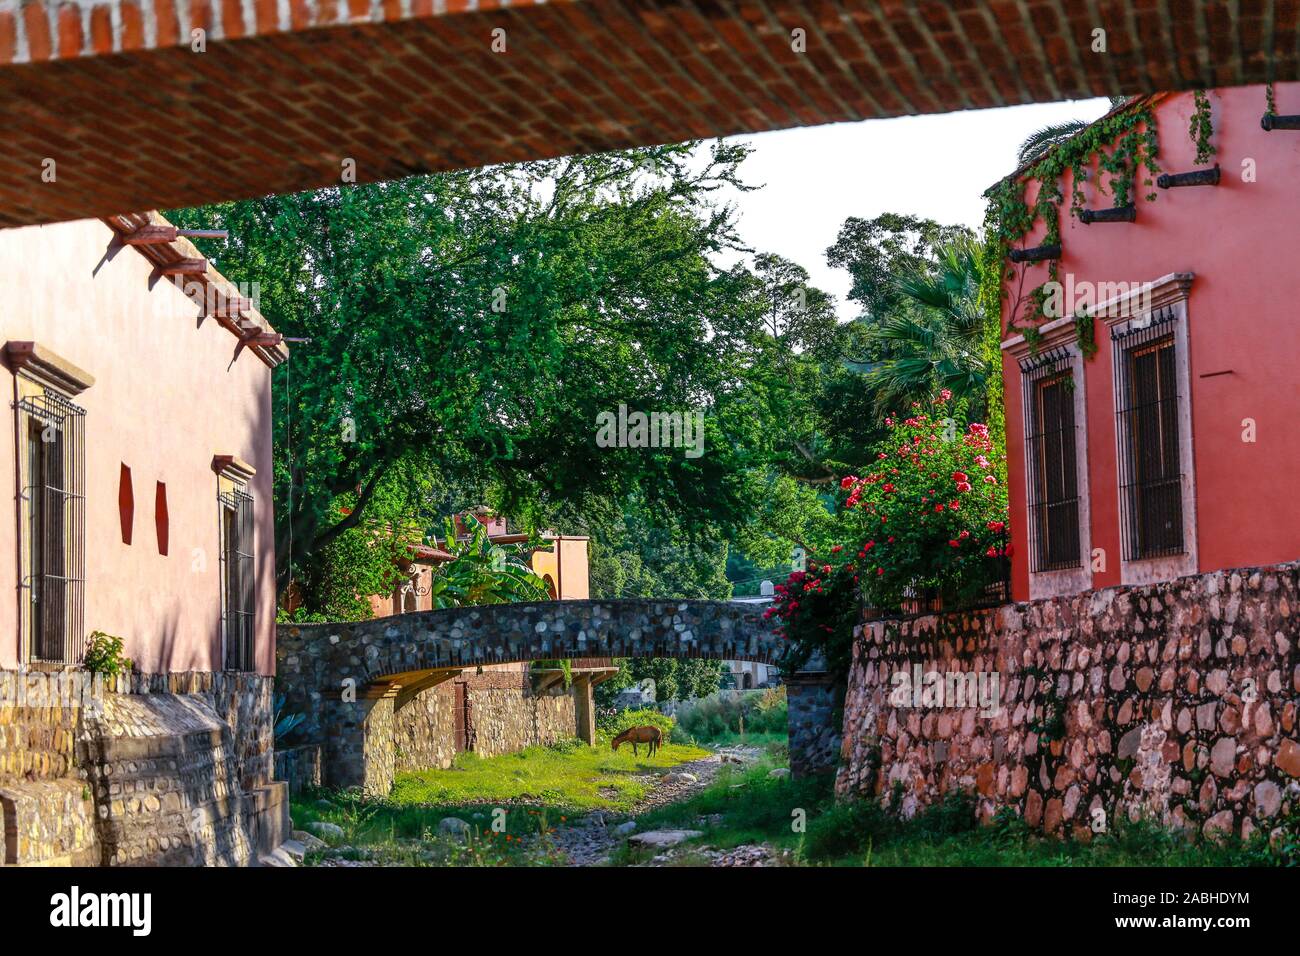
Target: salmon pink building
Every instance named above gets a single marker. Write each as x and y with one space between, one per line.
136 444
1151 408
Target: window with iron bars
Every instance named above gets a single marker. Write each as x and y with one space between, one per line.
1150 470
238 588
51 434
1051 459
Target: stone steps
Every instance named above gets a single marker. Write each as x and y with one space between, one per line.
168 789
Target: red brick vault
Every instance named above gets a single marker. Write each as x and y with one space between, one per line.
120 105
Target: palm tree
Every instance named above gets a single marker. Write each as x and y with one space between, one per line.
1040 141
934 342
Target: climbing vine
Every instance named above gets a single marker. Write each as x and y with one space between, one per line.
1085 334
1202 128
1124 146
1270 100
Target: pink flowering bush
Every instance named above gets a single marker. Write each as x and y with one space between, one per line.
930 519
818 609
927 522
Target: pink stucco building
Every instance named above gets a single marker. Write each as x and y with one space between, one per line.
136 442
1172 450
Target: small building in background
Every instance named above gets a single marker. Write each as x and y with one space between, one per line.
750 675
497 708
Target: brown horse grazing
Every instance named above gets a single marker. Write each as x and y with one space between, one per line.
639 735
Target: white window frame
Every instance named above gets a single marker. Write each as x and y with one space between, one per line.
1167 295
1058 335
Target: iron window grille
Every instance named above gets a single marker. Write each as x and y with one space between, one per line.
51 432
237 581
1050 454
1151 477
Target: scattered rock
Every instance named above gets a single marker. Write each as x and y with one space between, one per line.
453 826
309 842
329 832
747 855
678 777
287 854
664 837
623 829
779 772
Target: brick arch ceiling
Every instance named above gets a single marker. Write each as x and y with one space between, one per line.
134 116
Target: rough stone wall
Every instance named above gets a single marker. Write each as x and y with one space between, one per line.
509 720
300 767
40 718
424 732
47 815
814 704
507 716
150 769
1175 702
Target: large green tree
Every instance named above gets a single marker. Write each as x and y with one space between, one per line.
875 252
473 325
937 343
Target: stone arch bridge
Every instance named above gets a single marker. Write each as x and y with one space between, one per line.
351 679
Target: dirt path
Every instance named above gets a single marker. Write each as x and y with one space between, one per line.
592 839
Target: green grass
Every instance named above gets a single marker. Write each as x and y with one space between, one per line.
538 788
774 743
398 835
543 788
572 777
756 808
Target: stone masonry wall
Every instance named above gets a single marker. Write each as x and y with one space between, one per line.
506 721
506 715
300 767
148 769
1175 701
814 704
424 732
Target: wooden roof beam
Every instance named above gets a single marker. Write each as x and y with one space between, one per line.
185 267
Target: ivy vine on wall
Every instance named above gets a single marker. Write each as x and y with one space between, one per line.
1201 127
1124 146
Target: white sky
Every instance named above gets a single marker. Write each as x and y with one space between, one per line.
935 166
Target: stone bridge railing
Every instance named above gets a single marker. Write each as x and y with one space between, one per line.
382 651
350 679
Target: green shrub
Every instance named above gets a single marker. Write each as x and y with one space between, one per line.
848 828
566 745
611 725
104 655
719 716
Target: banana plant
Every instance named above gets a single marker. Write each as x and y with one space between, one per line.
481 572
